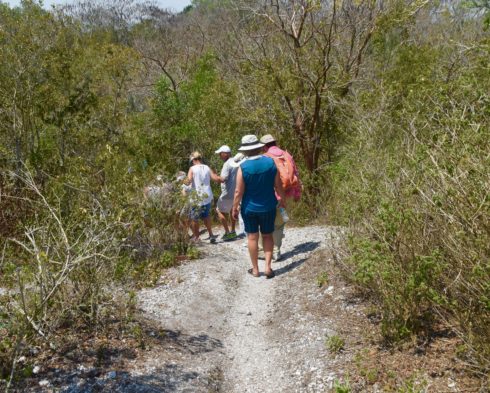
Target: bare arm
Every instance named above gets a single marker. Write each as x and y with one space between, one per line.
239 190
279 189
189 176
215 177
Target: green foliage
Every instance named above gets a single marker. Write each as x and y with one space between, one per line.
412 185
364 367
61 90
71 173
388 119
335 344
342 387
322 279
413 385
482 6
199 116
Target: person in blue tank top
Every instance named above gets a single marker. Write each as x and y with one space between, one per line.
256 186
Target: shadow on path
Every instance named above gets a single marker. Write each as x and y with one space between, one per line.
288 268
298 249
301 249
96 369
168 378
192 344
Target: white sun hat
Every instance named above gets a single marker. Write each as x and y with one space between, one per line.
223 149
250 142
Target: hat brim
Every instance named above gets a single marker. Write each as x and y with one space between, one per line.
222 151
251 147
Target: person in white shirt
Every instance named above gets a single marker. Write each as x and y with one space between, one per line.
199 177
225 201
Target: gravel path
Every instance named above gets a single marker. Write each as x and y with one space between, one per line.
219 329
247 336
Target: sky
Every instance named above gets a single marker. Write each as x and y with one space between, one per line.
174 5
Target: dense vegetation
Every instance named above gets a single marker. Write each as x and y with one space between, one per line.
385 106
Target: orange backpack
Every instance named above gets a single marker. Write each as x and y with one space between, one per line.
286 171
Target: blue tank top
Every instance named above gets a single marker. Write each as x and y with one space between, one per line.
259 175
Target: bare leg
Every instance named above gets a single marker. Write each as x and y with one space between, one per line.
207 223
253 250
268 244
233 223
223 221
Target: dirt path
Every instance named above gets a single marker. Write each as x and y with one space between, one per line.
237 335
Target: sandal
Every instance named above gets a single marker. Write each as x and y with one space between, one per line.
270 275
251 271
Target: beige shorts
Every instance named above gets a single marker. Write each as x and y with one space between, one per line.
224 205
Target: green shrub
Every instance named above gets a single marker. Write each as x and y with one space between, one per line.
412 184
341 387
335 344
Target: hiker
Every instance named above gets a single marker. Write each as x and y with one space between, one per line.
257 184
237 160
225 201
167 196
199 177
288 172
165 190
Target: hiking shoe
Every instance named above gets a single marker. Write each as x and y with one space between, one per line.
224 236
212 239
230 236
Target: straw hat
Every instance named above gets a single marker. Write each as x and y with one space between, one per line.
267 139
195 156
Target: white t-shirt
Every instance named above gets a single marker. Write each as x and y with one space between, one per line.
228 173
201 183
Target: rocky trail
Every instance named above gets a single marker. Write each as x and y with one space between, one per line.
227 331
246 334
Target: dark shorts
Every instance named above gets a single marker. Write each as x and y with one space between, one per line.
253 221
200 212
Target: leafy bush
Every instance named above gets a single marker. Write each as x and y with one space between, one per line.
62 271
412 182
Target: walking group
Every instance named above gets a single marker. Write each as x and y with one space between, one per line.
256 186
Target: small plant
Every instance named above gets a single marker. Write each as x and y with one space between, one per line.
413 385
322 279
102 353
193 253
341 387
371 375
361 361
335 344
